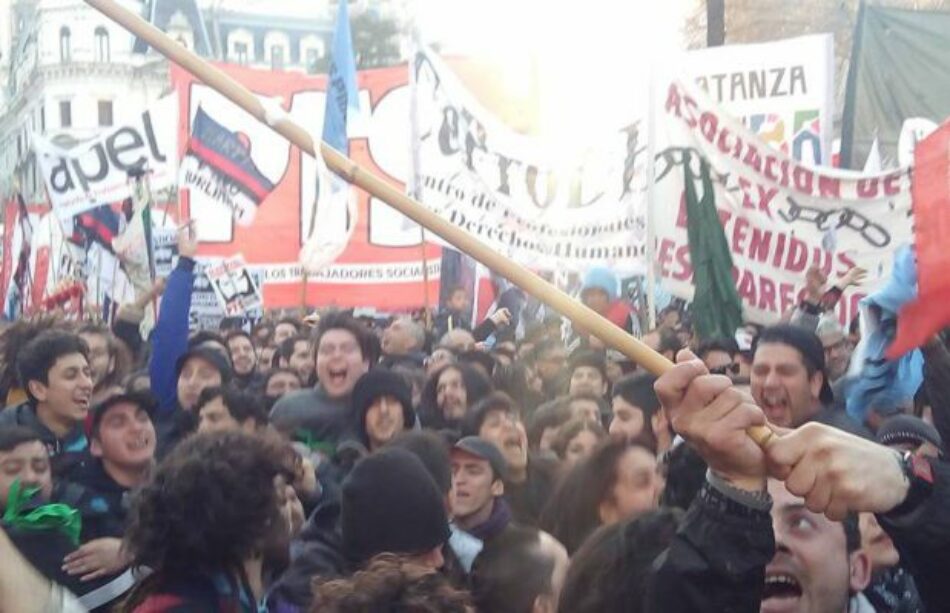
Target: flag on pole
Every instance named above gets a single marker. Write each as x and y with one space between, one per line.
717 311
926 315
334 213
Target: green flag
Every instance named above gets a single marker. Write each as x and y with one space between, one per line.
716 310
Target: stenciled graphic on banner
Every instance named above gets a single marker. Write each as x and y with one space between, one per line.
97 172
517 196
218 163
782 91
234 286
271 244
778 215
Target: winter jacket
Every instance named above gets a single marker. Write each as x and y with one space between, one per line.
311 412
529 498
716 562
937 385
104 503
66 454
922 537
170 336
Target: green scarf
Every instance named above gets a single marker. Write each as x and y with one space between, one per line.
53 516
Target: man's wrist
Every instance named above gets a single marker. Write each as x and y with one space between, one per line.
748 492
748 484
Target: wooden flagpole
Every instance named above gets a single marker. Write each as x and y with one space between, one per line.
579 314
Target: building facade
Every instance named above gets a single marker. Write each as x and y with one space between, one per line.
67 72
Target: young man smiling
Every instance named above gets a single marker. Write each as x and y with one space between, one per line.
323 411
54 370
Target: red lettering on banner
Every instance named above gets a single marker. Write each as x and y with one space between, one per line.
708 124
724 216
829 187
691 109
686 268
759 244
797 256
753 159
786 300
746 288
784 166
804 179
779 249
673 101
765 199
769 170
721 141
767 294
681 216
739 234
665 256
867 188
892 184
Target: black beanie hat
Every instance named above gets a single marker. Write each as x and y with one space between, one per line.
391 504
210 356
908 429
377 383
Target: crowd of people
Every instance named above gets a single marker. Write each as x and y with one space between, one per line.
327 462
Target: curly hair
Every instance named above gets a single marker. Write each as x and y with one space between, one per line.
14 338
390 582
211 504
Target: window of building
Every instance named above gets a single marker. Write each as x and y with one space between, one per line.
240 53
277 57
65 114
103 52
312 60
65 47
105 113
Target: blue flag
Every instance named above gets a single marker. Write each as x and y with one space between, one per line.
333 217
342 95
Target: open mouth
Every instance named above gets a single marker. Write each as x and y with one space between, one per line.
513 442
139 444
781 588
337 376
774 404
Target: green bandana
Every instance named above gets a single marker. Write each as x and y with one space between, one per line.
54 516
305 437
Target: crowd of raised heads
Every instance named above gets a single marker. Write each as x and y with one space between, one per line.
322 461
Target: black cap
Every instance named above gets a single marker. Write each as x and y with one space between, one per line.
380 382
484 450
390 503
808 345
145 400
210 356
908 429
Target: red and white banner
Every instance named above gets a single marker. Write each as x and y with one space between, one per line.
780 216
382 265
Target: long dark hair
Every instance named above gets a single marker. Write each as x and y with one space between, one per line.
476 388
613 570
573 512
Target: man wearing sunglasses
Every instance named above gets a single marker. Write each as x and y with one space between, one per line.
719 356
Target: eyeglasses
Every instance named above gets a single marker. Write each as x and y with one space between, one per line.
728 369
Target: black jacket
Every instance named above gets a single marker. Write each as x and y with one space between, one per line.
717 559
922 537
66 454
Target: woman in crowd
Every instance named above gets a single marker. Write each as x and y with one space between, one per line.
617 481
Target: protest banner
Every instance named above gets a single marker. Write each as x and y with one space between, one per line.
97 172
218 163
544 208
782 91
232 283
375 268
780 217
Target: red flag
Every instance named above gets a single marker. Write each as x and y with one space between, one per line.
40 276
930 312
